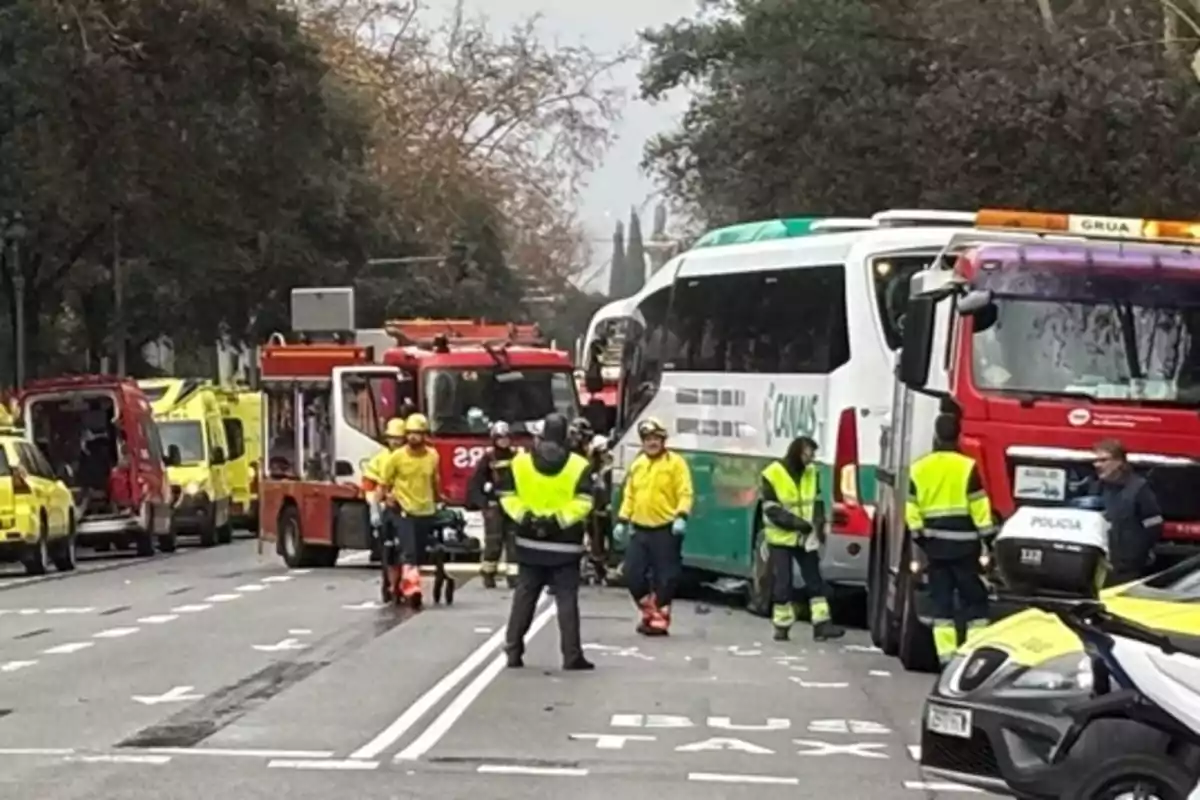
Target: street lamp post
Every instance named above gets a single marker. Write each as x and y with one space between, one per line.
14 233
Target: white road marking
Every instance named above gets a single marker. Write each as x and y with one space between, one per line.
483 630
299 631
880 673
914 752
858 726
300 571
250 587
940 786
232 753
35 751
366 605
861 749
29 612
176 695
284 763
57 611
13 666
158 619
861 648
470 693
717 777
115 633
284 644
221 598
514 769
120 759
69 647
412 715
191 608
817 684
277 579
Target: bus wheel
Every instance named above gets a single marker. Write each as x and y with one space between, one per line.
758 592
876 593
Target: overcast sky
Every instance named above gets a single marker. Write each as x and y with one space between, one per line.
605 26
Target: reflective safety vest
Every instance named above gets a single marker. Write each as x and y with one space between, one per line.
798 497
946 500
546 496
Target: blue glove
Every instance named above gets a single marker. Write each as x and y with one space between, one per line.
679 526
621 534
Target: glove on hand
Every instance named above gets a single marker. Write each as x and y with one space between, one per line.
621 534
679 526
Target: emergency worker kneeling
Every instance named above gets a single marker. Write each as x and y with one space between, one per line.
547 496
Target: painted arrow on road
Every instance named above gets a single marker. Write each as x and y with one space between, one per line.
177 695
285 644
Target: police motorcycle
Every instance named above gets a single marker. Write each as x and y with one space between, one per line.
1021 710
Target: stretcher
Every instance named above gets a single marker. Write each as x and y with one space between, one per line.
448 543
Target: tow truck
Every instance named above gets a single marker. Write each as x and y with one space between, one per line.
1045 333
328 403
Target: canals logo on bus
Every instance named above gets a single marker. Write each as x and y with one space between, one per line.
786 416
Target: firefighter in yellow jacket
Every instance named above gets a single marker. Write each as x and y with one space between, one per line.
950 518
412 492
793 527
372 480
655 504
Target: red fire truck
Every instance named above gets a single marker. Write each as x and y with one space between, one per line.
328 405
1045 333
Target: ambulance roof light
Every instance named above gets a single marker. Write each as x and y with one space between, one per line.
902 217
1088 225
839 224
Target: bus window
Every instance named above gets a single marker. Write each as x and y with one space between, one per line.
642 359
892 276
785 321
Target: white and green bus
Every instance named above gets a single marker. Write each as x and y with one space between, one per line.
738 348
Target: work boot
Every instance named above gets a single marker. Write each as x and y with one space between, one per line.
781 634
515 661
579 664
660 621
647 606
824 631
489 580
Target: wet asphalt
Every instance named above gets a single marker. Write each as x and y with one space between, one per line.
220 673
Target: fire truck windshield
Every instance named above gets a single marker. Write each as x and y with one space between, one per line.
1105 349
467 401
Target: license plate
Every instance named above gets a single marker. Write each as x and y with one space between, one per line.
1040 483
949 721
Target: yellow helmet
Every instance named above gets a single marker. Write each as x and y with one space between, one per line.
417 423
651 426
395 429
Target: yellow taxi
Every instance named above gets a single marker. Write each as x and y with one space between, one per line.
37 510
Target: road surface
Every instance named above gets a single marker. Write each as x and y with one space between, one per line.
220 673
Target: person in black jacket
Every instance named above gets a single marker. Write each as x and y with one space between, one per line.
1132 511
481 496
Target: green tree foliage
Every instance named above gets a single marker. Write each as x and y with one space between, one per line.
850 106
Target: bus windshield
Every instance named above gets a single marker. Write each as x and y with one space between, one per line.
467 401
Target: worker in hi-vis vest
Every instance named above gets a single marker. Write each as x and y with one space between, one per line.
950 519
794 528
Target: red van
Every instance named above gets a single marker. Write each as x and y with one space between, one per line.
99 432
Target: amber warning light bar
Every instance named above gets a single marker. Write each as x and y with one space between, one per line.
1088 225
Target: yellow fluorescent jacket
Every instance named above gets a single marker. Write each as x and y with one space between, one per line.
657 491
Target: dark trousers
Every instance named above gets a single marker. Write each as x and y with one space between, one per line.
408 535
959 578
497 539
780 560
531 579
654 563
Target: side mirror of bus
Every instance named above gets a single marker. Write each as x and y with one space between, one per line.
918 340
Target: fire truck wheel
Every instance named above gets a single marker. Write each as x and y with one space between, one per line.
916 641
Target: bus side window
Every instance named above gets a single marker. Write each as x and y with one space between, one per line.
643 358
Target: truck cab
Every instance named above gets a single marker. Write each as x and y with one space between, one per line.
1045 334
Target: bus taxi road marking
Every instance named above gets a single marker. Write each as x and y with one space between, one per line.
721 743
158 619
115 633
69 647
940 786
348 764
13 666
610 741
283 644
861 749
221 598
191 608
470 693
178 694
413 714
516 769
722 777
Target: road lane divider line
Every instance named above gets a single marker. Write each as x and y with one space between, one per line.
115 633
158 619
413 714
516 769
36 751
235 753
277 579
221 598
120 759
346 764
65 649
13 666
941 786
250 587
727 777
458 706
191 608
